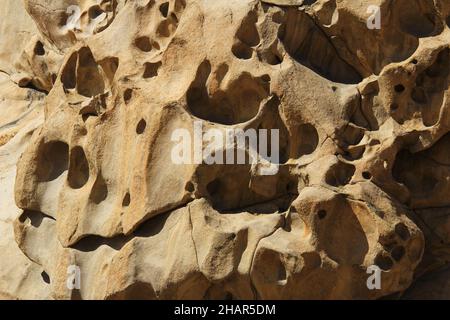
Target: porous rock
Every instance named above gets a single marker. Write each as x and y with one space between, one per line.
93 90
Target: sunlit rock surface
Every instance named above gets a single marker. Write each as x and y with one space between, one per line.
92 91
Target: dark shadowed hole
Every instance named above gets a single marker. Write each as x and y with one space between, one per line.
99 190
75 295
39 49
384 262
174 17
419 95
89 80
367 175
151 69
53 160
399 88
308 140
141 127
78 168
228 296
164 9
143 43
127 95
190 187
265 78
340 174
402 231
35 217
126 200
164 29
242 51
213 187
94 12
397 253
322 214
68 75
45 277
156 45
394 107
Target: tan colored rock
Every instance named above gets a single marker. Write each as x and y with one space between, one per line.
98 88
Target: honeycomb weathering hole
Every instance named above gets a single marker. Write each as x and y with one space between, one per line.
144 44
45 277
322 214
399 88
78 168
306 224
164 9
398 253
402 231
247 37
68 75
99 191
39 49
304 141
384 262
95 11
340 174
126 200
242 51
140 128
89 79
52 161
127 95
415 172
248 33
109 67
367 175
151 69
306 44
418 18
231 192
238 103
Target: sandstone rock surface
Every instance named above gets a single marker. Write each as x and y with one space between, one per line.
92 91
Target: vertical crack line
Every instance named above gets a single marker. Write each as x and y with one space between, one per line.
192 237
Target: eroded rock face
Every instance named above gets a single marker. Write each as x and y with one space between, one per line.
362 179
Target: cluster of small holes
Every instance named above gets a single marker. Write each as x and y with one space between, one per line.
394 250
